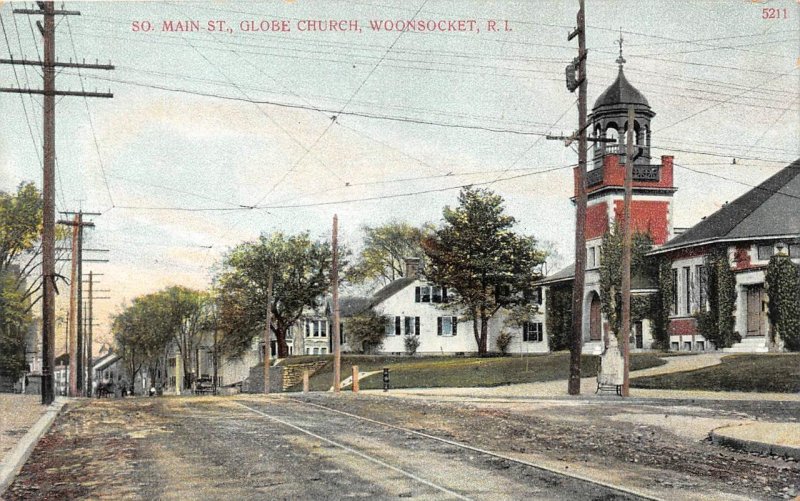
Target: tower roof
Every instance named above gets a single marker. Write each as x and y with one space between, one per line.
620 92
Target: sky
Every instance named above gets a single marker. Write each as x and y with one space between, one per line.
213 138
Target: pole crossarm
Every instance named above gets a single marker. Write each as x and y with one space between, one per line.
57 64
35 12
15 90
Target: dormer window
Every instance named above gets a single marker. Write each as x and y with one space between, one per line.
430 294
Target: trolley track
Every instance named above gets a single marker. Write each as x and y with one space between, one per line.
542 479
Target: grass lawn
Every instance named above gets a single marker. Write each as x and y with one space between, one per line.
433 372
778 372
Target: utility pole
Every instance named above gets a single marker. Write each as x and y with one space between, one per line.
49 93
627 230
89 392
76 289
337 349
73 285
578 82
268 334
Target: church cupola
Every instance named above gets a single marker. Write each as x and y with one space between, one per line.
609 118
651 209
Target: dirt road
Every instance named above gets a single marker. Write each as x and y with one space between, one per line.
300 448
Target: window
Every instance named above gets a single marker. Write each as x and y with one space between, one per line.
539 295
673 346
447 326
591 257
316 328
411 326
674 310
794 250
765 252
532 332
687 345
701 345
687 280
323 351
430 294
308 350
702 290
397 324
316 351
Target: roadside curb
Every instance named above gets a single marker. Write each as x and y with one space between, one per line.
725 437
17 457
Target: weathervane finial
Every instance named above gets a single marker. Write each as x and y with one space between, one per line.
620 59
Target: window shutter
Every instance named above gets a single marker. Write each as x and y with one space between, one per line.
438 326
525 331
396 326
416 326
416 294
444 294
455 325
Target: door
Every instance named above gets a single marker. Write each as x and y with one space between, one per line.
595 331
756 314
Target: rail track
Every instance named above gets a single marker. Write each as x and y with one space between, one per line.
600 490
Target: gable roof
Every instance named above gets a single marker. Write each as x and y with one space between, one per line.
562 275
105 361
771 209
390 290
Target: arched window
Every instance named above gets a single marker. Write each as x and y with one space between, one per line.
612 132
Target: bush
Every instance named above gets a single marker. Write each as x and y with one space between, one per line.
504 341
365 332
411 343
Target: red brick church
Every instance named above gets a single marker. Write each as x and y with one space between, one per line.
749 230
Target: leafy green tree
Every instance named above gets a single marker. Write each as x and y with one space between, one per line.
611 276
20 228
559 316
15 319
385 248
142 335
365 331
717 324
301 276
484 264
783 286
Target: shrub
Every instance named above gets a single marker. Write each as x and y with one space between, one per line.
411 343
504 341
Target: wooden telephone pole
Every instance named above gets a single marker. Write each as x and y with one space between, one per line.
49 93
627 230
337 349
576 79
268 334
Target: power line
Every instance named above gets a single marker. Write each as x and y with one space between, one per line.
346 201
89 115
719 176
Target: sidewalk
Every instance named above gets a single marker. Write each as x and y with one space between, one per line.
23 421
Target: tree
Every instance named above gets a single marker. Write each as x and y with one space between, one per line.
15 319
188 318
717 323
385 249
142 335
611 276
783 286
559 316
301 277
484 264
365 331
20 227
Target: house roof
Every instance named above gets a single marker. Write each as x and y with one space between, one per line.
390 290
353 305
62 359
769 210
563 275
105 361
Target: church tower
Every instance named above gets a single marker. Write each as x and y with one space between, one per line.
651 208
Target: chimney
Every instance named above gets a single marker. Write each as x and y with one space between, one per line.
412 266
